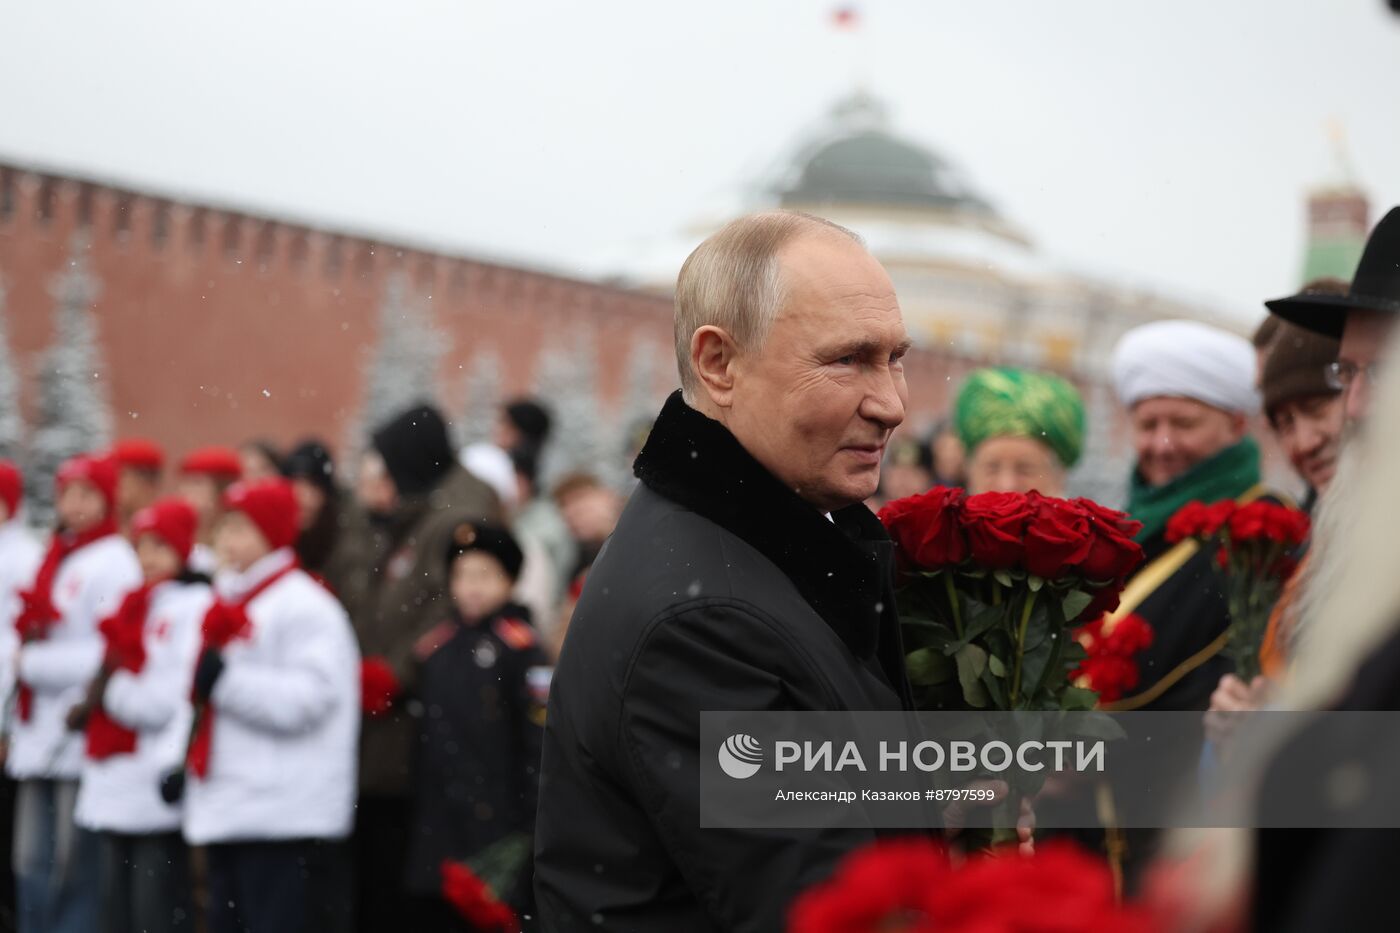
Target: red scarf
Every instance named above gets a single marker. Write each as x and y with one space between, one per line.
223 623
126 650
37 613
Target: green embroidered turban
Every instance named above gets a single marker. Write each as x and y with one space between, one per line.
1006 402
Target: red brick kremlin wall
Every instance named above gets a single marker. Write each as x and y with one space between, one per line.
216 326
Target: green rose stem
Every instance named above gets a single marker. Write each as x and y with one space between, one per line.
953 602
1021 646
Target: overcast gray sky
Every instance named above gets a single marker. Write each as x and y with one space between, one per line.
1164 144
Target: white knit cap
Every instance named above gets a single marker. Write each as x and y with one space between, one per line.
1186 359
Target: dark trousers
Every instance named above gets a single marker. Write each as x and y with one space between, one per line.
382 826
55 861
145 885
302 886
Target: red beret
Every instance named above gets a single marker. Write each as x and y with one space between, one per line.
172 520
138 454
271 505
219 462
98 472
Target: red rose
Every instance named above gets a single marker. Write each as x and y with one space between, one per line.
995 523
379 687
925 528
1113 554
1058 537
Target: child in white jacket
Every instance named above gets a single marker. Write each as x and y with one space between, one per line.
271 791
137 718
87 570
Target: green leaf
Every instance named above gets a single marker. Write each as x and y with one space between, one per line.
995 666
1078 699
997 688
928 667
1075 602
1035 583
972 661
1003 577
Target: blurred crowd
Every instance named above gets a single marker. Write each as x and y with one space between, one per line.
374 662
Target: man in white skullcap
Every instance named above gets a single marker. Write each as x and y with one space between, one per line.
1189 391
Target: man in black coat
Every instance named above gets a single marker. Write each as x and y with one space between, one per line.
744 574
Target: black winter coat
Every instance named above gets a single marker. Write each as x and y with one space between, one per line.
482 691
720 590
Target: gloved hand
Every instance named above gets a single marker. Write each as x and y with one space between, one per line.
206 674
172 786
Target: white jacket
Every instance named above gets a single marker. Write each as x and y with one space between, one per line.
282 763
20 556
121 793
88 587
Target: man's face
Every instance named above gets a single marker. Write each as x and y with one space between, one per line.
1363 344
1171 435
311 499
1310 431
80 506
1014 464
591 513
373 486
816 403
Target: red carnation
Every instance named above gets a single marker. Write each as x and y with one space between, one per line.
1058 537
1129 635
995 523
1268 521
475 901
925 528
379 686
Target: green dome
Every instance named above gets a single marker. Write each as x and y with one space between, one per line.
873 167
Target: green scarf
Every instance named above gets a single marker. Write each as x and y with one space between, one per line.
1227 475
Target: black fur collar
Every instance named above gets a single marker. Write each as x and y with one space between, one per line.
841 568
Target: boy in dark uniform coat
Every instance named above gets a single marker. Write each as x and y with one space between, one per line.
482 684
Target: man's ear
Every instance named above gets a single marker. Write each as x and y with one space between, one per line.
1239 425
712 357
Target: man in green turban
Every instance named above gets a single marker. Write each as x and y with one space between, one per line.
1022 430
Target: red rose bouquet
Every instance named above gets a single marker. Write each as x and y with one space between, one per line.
1255 551
992 584
915 885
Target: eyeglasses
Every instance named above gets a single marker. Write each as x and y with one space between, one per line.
1341 374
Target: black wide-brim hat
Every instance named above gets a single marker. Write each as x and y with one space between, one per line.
1375 287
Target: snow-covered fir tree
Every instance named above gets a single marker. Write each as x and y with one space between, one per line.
11 422
73 410
566 380
402 370
646 363
481 398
